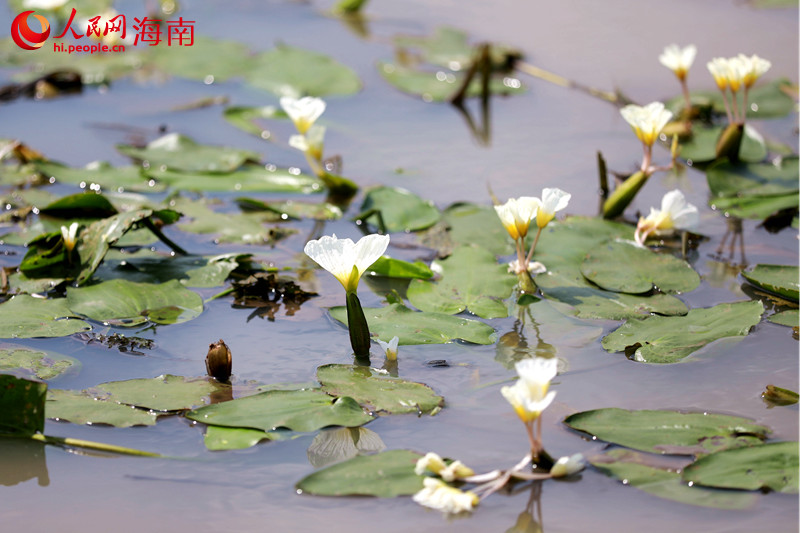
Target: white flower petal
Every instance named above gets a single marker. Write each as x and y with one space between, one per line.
303 112
648 121
567 466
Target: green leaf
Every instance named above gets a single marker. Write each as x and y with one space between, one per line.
249 178
218 438
297 410
477 224
769 466
660 339
440 86
21 405
386 475
397 268
400 209
127 303
377 390
753 190
766 100
244 118
24 317
632 469
779 279
130 178
773 396
292 210
82 407
289 71
208 59
25 362
420 327
789 318
174 151
162 393
622 266
191 271
668 432
701 147
83 205
471 280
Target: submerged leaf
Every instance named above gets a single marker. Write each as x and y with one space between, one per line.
25 362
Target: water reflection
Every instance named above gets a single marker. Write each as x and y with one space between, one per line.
335 445
23 460
530 519
734 232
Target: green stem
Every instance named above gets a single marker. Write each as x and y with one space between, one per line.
89 445
166 240
623 195
357 323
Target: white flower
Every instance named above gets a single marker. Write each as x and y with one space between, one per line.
390 348
430 461
678 60
648 121
675 213
346 260
534 268
312 143
516 215
529 396
754 67
303 112
718 67
439 495
552 200
566 466
456 470
69 235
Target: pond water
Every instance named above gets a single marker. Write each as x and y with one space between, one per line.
546 137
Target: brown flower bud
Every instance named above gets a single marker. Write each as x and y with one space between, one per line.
219 361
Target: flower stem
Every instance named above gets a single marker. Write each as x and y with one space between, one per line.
357 324
686 97
533 247
727 106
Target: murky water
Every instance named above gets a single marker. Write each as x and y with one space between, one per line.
547 137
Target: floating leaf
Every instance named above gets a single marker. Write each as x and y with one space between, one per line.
622 266
249 178
82 407
420 327
127 303
471 280
769 466
244 118
386 475
702 145
660 339
130 178
400 209
773 396
207 59
21 405
396 268
163 393
477 224
24 317
292 210
780 279
191 271
297 410
766 100
377 390
789 318
174 151
219 438
289 71
25 362
753 190
440 86
632 468
83 205
670 432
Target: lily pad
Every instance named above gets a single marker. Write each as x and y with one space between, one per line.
789 318
400 209
244 228
21 405
191 271
779 279
174 151
24 317
83 205
219 438
622 266
765 100
471 280
632 468
207 60
386 475
163 393
81 407
420 327
127 303
396 268
130 178
441 85
289 71
701 147
669 432
377 390
769 466
25 362
291 210
244 118
753 190
477 224
297 410
248 178
660 339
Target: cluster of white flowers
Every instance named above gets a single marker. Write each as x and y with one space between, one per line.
734 74
310 140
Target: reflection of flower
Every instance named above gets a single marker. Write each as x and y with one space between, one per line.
646 121
439 495
566 466
346 260
675 213
69 235
334 445
303 112
678 60
529 396
312 143
390 348
516 215
552 200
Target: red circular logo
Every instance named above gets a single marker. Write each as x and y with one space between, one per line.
24 36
